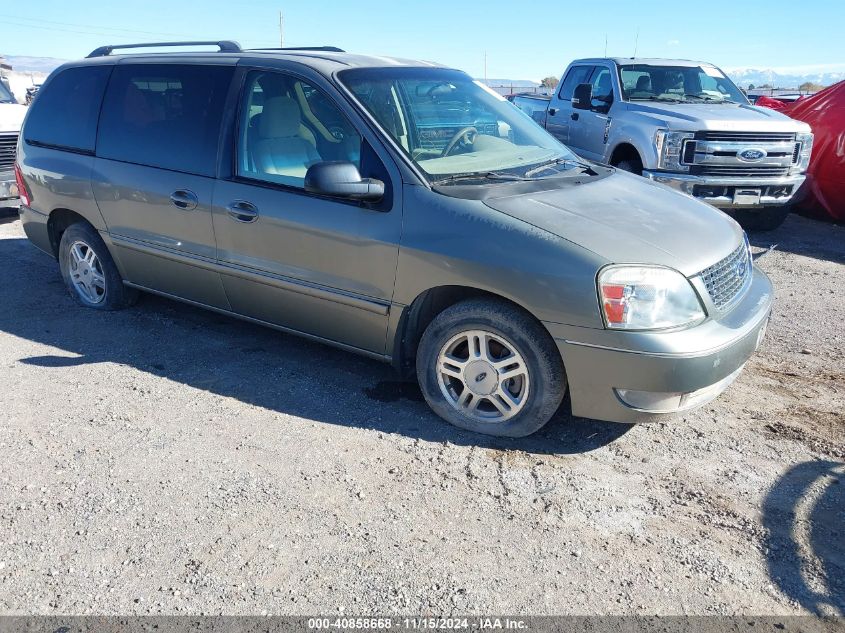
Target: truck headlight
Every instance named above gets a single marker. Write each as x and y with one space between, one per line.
806 141
670 149
647 298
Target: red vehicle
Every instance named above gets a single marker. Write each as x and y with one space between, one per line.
823 193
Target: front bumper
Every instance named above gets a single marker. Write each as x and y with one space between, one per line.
9 196
720 191
694 364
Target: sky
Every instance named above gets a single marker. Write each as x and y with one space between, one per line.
521 40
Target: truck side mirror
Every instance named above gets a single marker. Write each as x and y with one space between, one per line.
342 180
582 97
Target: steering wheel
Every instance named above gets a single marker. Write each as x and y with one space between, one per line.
464 136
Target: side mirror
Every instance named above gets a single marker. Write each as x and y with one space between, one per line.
342 180
583 97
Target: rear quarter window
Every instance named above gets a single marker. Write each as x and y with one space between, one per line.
65 114
164 115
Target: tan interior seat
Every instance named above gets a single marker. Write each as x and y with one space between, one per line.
280 149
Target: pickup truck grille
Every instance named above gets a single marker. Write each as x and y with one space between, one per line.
721 170
726 278
745 137
741 154
8 145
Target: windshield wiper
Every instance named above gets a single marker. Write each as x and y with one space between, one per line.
708 98
556 161
656 98
489 175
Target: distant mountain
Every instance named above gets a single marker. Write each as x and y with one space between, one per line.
745 76
24 64
516 83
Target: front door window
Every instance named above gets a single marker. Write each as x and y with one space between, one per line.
287 126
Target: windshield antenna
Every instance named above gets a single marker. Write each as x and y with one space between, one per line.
636 42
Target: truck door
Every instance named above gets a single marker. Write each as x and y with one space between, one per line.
560 114
588 130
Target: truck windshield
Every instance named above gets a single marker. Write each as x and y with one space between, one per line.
678 84
455 128
5 95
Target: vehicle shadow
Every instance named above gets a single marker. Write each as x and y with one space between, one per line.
804 514
804 236
253 364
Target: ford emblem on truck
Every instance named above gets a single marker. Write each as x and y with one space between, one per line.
752 155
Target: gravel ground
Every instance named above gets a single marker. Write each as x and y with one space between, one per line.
169 460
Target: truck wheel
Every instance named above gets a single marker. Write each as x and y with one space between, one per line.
763 219
488 367
632 165
89 271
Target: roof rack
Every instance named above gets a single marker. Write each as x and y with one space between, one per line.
225 46
328 49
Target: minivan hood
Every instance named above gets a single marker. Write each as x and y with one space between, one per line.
724 117
11 117
628 219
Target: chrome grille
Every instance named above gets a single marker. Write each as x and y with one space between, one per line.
748 137
725 279
8 145
727 170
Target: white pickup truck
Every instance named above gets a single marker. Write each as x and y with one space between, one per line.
11 119
684 124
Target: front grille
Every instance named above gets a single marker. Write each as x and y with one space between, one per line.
739 170
726 278
750 137
8 144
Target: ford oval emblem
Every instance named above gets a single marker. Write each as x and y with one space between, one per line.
752 154
740 269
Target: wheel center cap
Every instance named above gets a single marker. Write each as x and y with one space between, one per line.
481 378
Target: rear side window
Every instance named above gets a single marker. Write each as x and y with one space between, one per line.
65 114
576 75
164 115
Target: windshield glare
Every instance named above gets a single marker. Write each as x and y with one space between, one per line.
5 95
451 125
684 84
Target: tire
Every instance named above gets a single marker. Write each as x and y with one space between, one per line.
632 165
502 335
89 271
763 219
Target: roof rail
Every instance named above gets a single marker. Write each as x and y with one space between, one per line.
225 46
328 49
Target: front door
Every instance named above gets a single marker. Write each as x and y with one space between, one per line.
561 116
153 177
321 266
589 133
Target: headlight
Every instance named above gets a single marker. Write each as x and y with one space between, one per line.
806 140
647 298
670 149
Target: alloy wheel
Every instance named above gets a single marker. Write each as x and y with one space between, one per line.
483 375
86 273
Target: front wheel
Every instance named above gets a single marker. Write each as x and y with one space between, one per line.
89 271
488 367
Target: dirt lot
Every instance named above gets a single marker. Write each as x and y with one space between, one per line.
166 459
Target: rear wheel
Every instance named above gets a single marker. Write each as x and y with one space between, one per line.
89 271
488 367
762 219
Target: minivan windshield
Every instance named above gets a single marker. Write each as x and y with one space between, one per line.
5 95
456 129
678 84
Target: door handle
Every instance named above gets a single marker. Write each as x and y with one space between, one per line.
574 116
184 199
552 111
242 211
